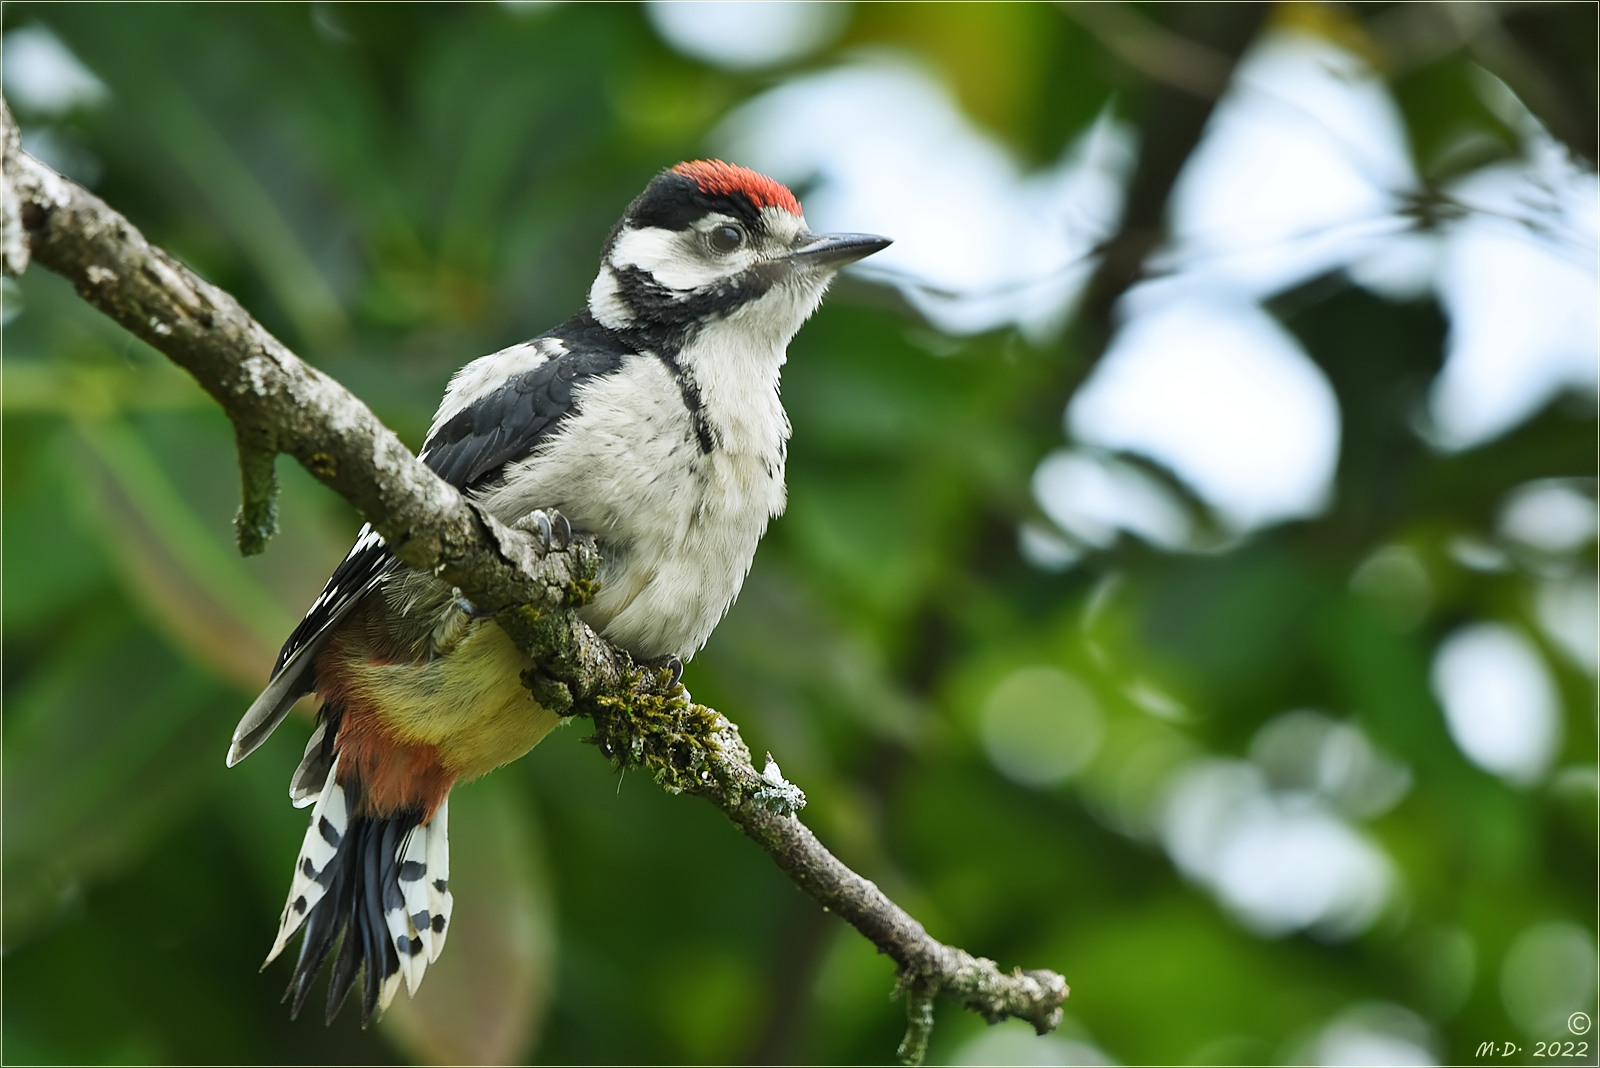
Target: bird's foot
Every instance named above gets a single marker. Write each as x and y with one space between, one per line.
549 526
554 534
674 666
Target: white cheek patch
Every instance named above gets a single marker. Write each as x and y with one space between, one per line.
646 248
673 258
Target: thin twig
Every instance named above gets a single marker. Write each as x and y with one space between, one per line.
919 1023
257 520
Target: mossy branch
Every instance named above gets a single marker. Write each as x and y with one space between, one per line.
641 716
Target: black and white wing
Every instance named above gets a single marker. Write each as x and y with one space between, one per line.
476 435
367 564
486 421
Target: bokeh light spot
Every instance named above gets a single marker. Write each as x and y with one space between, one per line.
1499 701
41 75
1222 395
1373 1033
1279 861
741 34
1549 515
1548 974
1041 726
1395 582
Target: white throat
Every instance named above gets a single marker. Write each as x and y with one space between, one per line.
736 370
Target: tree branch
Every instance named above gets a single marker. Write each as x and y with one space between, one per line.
278 403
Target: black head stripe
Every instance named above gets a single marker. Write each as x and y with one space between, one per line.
659 310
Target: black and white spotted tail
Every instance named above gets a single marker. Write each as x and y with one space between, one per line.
384 883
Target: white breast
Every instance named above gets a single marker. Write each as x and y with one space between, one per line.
678 526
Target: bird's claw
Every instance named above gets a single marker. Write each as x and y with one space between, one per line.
549 526
673 666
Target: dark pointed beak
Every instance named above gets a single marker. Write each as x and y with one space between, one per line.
836 250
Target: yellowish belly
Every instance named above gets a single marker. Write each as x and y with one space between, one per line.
470 706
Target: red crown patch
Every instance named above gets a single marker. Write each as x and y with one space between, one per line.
716 177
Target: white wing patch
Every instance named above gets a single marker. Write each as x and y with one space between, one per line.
488 373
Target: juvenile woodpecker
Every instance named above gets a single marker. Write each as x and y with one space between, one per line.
651 419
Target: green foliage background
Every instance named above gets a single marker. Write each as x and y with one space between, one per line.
395 189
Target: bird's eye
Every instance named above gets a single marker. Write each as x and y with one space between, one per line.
726 237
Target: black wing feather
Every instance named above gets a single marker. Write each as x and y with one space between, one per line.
368 562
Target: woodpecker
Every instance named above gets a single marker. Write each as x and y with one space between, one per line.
650 419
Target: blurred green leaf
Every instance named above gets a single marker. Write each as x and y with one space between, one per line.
96 763
196 590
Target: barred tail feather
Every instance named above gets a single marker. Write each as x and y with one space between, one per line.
410 925
314 867
380 882
438 880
